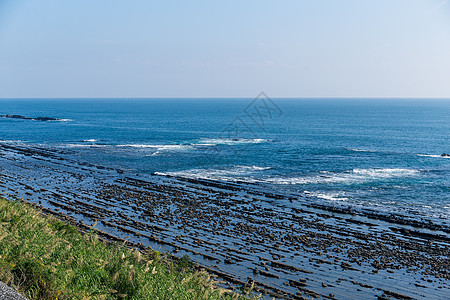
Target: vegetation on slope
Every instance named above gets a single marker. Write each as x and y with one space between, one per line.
44 258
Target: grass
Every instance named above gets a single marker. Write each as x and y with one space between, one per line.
44 258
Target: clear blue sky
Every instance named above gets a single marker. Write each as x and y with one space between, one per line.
143 48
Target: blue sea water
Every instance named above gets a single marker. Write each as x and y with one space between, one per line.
377 153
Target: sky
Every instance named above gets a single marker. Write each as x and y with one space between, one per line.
302 48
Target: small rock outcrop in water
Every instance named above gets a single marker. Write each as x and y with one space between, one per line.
27 118
445 154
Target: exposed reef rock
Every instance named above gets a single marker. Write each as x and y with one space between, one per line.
27 118
286 245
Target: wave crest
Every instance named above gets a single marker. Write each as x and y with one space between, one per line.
347 177
433 155
224 141
360 150
235 173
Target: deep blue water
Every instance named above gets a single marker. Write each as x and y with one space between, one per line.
376 153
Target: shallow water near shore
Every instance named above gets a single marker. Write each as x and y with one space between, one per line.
309 198
376 152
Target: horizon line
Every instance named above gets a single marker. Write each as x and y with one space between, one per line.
368 98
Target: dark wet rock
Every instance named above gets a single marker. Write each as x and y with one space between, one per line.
8 293
27 118
268 274
299 284
245 227
397 295
346 266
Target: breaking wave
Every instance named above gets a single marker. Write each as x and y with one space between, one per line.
231 141
235 173
431 155
360 150
347 177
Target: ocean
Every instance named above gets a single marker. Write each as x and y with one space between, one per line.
382 154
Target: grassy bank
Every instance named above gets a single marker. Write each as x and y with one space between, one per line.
45 258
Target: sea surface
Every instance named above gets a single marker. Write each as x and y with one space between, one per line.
382 154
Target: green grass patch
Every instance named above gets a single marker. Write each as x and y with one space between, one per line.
44 258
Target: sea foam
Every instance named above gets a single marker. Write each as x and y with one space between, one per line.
432 155
347 177
230 141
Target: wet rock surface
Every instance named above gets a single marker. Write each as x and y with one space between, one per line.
8 293
287 246
28 118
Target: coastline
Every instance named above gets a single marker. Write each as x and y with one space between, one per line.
46 258
287 246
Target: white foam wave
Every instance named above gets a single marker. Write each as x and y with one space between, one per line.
348 177
247 174
431 155
387 173
11 141
90 140
361 150
64 120
158 147
162 173
329 196
253 168
203 144
231 141
235 173
83 146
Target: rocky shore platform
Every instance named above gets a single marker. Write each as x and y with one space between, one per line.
288 246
